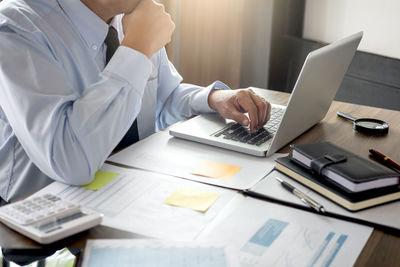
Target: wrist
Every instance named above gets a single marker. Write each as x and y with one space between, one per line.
138 46
213 96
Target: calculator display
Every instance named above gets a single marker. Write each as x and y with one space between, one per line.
55 224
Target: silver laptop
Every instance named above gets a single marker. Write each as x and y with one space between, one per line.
315 88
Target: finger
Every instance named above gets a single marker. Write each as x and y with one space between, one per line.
238 117
269 111
261 109
238 106
232 112
246 102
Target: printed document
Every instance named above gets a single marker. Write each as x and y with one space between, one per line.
151 252
269 234
134 201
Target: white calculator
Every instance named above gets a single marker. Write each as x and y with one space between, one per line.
48 218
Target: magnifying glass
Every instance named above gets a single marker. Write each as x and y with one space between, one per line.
366 125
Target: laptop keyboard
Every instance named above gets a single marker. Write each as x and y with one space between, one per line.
237 132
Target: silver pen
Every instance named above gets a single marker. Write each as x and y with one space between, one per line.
303 197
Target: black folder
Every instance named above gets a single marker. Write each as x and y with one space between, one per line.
342 167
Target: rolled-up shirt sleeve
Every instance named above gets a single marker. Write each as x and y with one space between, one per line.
68 134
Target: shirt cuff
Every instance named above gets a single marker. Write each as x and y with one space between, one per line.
131 66
203 106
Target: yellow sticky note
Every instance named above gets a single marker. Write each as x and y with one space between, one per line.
215 170
191 198
101 178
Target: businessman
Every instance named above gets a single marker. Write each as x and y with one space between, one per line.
79 79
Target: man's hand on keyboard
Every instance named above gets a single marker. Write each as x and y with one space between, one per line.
232 104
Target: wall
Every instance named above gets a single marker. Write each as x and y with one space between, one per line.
329 20
226 40
256 43
207 42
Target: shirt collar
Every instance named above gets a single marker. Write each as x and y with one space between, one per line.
92 28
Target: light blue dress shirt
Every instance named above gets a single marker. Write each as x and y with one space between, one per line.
62 110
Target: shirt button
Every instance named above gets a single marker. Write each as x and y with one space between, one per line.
94 47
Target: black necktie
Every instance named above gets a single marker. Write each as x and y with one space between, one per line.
132 136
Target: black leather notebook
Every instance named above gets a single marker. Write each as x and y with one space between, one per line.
350 201
343 168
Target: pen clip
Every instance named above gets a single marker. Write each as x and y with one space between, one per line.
313 205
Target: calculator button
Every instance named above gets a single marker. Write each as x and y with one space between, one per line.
42 208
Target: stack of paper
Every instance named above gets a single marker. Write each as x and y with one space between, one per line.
162 153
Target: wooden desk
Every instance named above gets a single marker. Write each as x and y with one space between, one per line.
382 249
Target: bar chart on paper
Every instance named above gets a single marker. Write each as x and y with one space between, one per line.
318 250
275 235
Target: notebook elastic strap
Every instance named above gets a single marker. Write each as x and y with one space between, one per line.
318 164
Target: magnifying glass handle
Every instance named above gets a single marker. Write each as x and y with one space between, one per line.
346 116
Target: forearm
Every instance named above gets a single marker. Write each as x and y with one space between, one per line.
186 101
